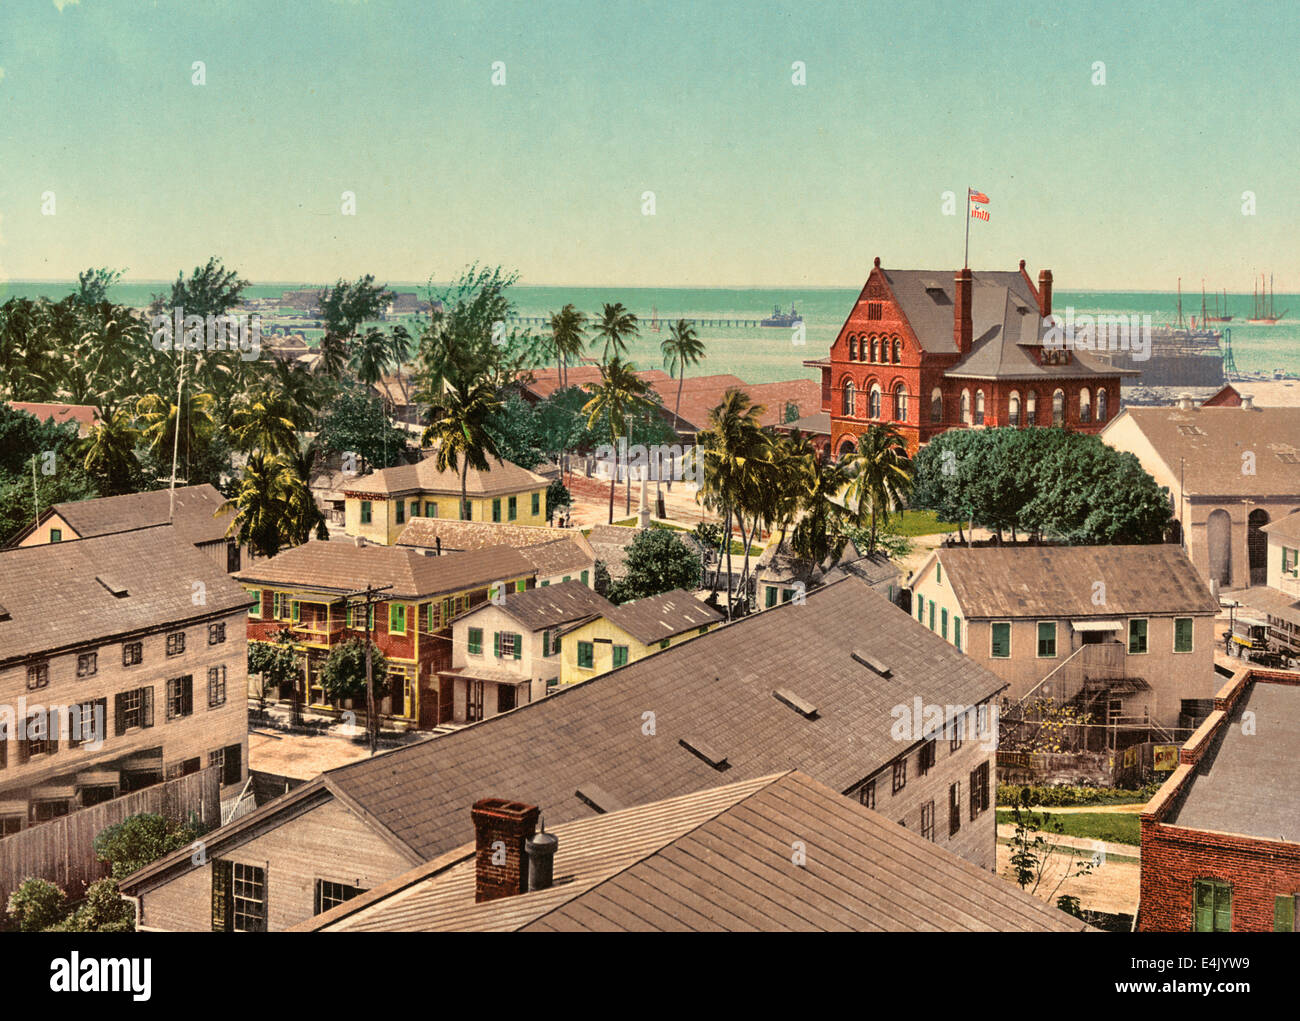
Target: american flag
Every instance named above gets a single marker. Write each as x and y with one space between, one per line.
979 196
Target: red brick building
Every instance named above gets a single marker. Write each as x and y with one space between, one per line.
927 352
1221 838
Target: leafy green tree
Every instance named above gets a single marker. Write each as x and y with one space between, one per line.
278 663
93 285
139 840
344 308
557 498
56 454
273 506
350 426
516 432
343 674
110 455
211 289
104 909
619 395
36 905
657 561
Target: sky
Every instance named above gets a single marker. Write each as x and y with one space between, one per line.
756 180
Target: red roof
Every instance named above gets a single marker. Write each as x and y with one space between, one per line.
85 415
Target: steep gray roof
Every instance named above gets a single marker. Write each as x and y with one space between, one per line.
540 608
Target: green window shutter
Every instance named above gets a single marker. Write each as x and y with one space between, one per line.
519 646
920 607
1047 639
513 508
521 585
771 597
496 509
365 512
1182 634
585 654
221 895
664 644
1222 908
1137 636
1204 908
496 644
401 512
546 643
475 640
931 615
545 583
938 574
537 504
956 632
297 612
1001 640
584 577
1284 914
944 622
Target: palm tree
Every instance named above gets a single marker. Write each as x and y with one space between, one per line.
817 530
302 517
260 505
619 394
460 428
263 421
615 326
110 457
882 476
159 417
568 327
734 450
681 348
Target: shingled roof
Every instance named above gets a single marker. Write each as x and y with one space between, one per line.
1206 445
540 608
718 860
666 615
83 591
1059 581
325 566
550 550
195 517
424 477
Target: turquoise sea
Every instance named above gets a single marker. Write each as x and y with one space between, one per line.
759 354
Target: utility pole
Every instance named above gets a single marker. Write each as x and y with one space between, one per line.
36 496
176 441
369 593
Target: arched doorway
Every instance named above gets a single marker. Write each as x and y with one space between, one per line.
1257 546
848 446
1218 542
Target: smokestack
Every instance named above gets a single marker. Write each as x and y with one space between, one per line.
1248 401
501 828
541 848
1186 402
962 329
1045 292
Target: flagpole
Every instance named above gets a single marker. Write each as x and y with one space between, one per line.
966 258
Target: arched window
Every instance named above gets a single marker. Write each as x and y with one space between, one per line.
873 349
979 407
848 398
1085 405
898 350
900 402
1031 408
873 402
936 405
1101 405
965 407
853 348
1013 409
1058 408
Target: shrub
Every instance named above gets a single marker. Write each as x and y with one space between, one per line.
1063 795
37 904
139 840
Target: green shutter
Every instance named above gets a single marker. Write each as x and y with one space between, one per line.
1001 640
584 577
521 585
944 622
496 644
1284 914
537 504
956 632
496 509
519 646
771 597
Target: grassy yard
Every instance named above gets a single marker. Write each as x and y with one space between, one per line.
1113 827
920 522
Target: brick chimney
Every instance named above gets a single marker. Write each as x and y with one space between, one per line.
962 328
500 829
1045 292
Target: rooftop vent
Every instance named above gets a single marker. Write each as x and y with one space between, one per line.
540 849
597 798
116 589
871 663
359 541
702 751
786 697
1248 401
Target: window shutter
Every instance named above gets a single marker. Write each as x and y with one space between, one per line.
546 643
1223 909
187 695
146 706
119 715
1284 914
53 745
519 646
221 896
496 644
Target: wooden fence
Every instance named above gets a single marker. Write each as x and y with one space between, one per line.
62 850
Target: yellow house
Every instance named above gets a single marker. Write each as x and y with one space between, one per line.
377 507
624 634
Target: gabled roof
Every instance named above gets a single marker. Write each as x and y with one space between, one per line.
1285 528
195 517
83 591
326 566
550 550
927 298
719 860
667 615
1061 581
540 608
1207 446
502 478
571 553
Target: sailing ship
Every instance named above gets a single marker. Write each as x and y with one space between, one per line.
1264 314
1186 335
779 318
1181 354
1218 317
